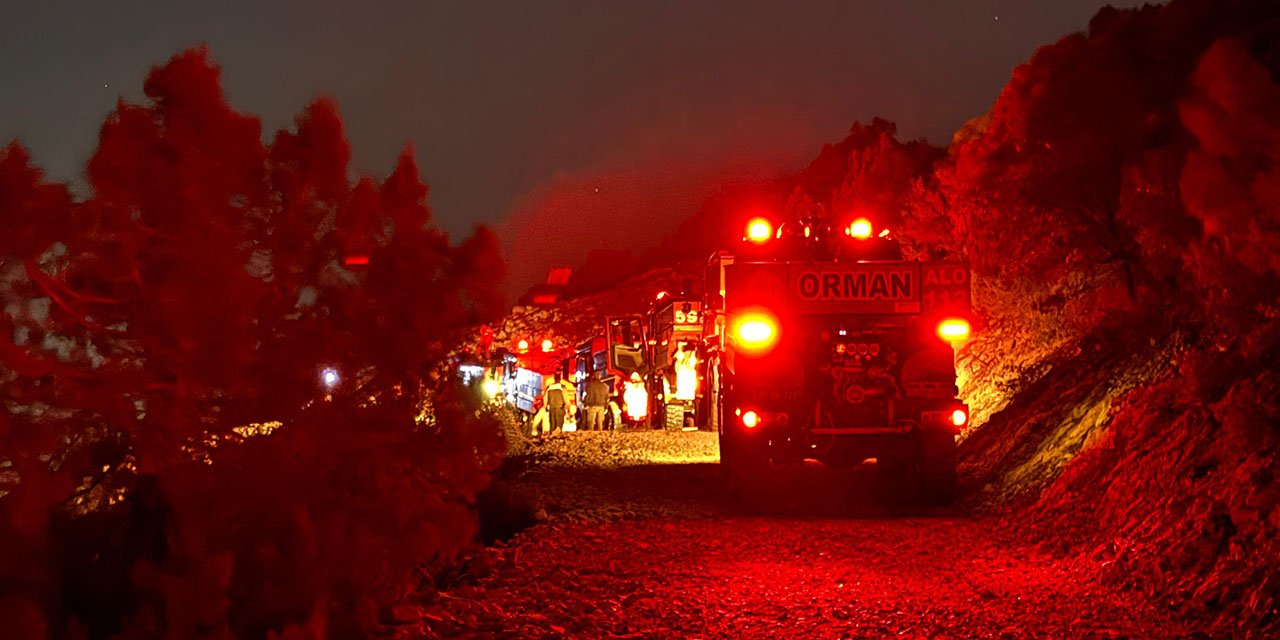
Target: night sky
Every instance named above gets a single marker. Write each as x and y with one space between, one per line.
543 118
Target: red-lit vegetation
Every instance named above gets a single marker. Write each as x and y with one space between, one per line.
171 461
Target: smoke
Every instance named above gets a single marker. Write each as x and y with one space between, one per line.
567 217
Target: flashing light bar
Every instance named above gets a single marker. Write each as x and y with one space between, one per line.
860 229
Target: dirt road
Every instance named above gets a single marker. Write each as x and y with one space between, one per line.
651 550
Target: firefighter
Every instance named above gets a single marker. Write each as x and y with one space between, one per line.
597 398
555 404
686 366
539 419
636 398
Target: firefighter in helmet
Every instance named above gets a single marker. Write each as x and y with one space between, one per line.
636 398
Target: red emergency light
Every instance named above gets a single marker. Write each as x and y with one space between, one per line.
759 231
756 331
355 261
953 329
859 229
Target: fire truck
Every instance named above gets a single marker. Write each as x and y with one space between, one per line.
823 344
523 369
665 347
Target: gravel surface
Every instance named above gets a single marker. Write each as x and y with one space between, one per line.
640 542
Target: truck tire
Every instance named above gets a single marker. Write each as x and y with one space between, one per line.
747 470
673 416
937 465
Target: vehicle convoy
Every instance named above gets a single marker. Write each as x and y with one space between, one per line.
824 344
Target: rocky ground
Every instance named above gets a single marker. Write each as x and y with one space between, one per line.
637 540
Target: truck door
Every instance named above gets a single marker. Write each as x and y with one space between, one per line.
626 345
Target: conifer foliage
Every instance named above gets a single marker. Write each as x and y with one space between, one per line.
226 403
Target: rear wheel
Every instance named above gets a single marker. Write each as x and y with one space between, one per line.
898 474
937 467
747 468
673 416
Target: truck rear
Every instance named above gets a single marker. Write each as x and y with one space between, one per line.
829 357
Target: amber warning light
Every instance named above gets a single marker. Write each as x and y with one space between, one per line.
953 329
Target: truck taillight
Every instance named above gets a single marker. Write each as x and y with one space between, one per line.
756 332
959 417
759 231
953 329
750 419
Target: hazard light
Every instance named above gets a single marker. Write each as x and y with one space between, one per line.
953 329
860 229
759 231
756 331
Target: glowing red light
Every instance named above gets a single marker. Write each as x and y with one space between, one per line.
756 332
750 419
759 230
354 261
860 229
953 329
959 417
547 345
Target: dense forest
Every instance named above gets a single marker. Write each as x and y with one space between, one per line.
211 289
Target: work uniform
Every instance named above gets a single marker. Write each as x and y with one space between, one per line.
596 401
555 406
636 398
686 366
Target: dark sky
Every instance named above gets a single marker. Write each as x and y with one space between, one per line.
521 109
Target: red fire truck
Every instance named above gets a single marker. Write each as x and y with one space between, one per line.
823 344
665 347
